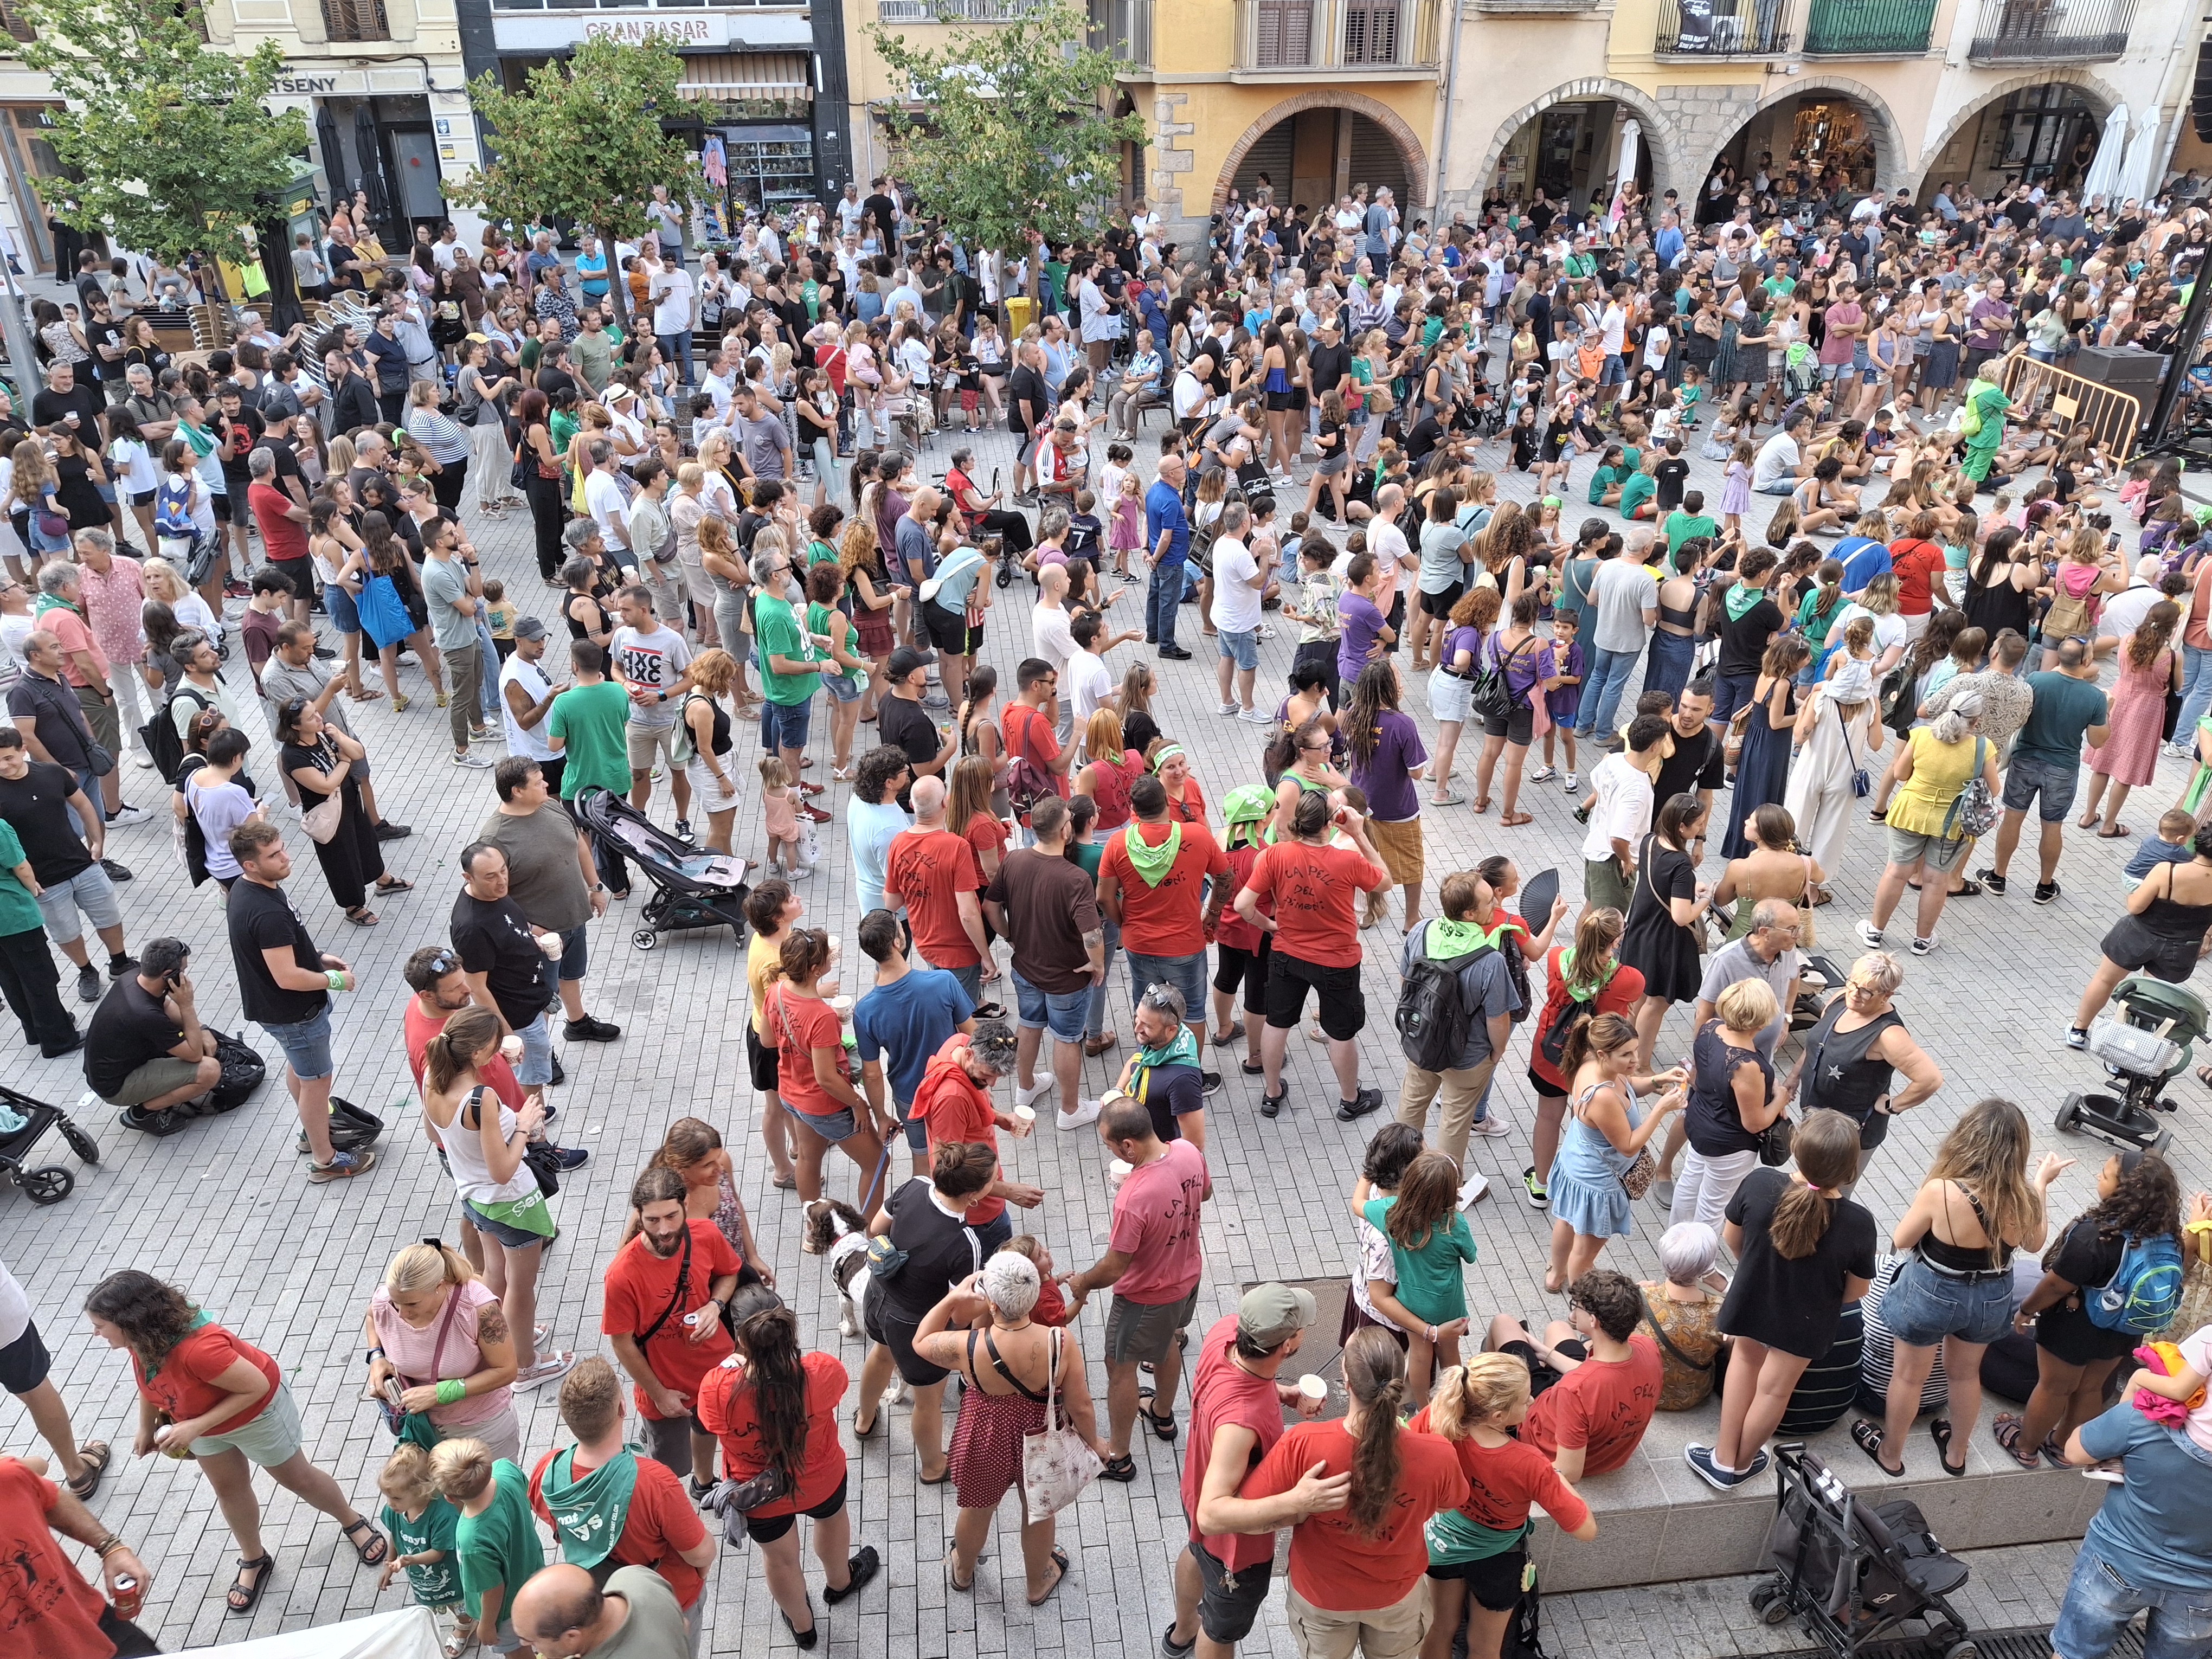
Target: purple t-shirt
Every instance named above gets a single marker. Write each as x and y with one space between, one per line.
1362 625
1987 323
1565 702
1523 665
1467 639
1390 793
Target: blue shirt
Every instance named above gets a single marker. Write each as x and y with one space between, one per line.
1667 246
2156 1530
1164 511
1862 558
906 1022
871 828
2154 852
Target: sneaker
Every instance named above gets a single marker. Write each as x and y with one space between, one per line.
2077 1036
1570 783
1256 717
342 1166
474 762
1028 1096
550 1369
1368 1100
1990 881
1870 936
1492 1126
116 872
87 983
126 814
1700 1460
118 966
935 700
1209 1084
1227 710
388 830
1542 774
1920 947
588 1030
2046 891
1662 1192
1086 1111
573 1158
1539 1197
683 829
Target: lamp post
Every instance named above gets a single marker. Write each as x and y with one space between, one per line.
20 358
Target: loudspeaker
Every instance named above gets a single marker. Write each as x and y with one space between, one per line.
2128 370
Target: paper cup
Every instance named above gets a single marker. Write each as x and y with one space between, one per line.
550 943
511 1047
843 1006
1313 1388
1026 1114
1117 1172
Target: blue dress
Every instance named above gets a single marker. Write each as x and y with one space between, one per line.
1585 1188
1762 774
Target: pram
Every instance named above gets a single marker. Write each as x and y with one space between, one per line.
1851 1572
51 1183
2145 1043
690 888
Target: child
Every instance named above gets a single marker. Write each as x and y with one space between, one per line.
495 1543
1429 1241
1735 488
1672 473
1525 436
1051 1307
1085 533
2169 844
422 1525
1666 416
1849 669
1689 395
1523 349
780 802
1612 469
2187 1365
1564 700
1639 489
501 614
1316 611
1124 534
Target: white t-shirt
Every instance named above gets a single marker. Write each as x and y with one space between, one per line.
1776 463
1613 327
671 300
1621 794
2124 611
1235 603
603 497
655 657
1888 631
522 739
1090 682
1049 628
15 1308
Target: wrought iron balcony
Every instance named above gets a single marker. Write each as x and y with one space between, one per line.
952 11
2051 31
1722 28
1293 35
1867 28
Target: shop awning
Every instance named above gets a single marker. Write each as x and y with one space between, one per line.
711 77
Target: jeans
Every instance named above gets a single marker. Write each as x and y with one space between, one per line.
676 352
1096 1022
1162 596
1608 678
1667 667
1186 973
2196 694
487 673
2100 1601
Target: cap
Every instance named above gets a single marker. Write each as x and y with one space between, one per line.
1269 1315
906 659
529 628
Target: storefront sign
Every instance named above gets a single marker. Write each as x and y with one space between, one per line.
395 80
686 30
676 31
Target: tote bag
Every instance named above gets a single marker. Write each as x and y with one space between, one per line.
1056 1462
383 613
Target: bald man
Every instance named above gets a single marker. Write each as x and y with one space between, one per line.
560 1612
931 870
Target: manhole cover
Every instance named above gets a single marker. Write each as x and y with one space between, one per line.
2027 1642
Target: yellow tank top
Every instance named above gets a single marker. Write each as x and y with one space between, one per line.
1939 771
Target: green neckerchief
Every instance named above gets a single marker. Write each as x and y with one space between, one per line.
1447 939
588 1514
200 1317
1452 1539
1152 863
50 602
1741 599
1567 977
201 439
1182 1050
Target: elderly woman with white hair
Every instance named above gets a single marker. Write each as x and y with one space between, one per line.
1680 1311
1934 765
1850 1056
1026 1377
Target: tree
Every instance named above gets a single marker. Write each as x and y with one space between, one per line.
583 143
1012 142
170 148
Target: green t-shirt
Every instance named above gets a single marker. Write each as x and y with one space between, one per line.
562 427
820 552
2064 710
591 721
1636 489
499 1549
1681 526
435 1583
19 911
777 629
1604 479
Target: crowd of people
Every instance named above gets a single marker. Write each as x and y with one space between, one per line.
757 462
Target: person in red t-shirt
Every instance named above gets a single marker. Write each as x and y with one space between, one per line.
55 1611
1316 942
665 1292
811 1071
1589 974
1591 1418
283 523
770 1380
953 1103
1152 885
659 1528
1916 561
932 871
1028 723
1235 1418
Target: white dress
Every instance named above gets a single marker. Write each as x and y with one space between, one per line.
1820 798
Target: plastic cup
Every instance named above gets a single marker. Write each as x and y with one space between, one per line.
842 1005
1313 1388
1117 1172
691 1319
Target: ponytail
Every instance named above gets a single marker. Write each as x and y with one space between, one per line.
1487 1389
1826 1145
1601 1034
1375 1375
452 1051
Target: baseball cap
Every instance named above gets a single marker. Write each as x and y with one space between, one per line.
529 628
906 659
1269 1315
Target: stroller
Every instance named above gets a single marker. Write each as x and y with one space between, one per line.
51 1183
1854 1571
690 888
2145 1043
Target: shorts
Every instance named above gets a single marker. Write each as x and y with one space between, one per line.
535 1069
1277 401
768 1529
272 1437
25 1362
760 1060
836 1127
514 1237
2134 947
220 503
947 629
144 497
1143 1330
99 714
305 1043
1451 698
1541 1375
709 796
845 688
1517 726
301 572
650 745
339 606
576 951
897 1335
1060 1013
1232 965
786 724
1612 372
1907 847
1343 1009
916 1129
1922 1306
2101 1602
1186 973
1440 605
1398 844
1494 1582
2030 777
668 1439
156 1078
1241 648
1229 1603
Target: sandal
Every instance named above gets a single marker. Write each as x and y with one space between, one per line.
783 1183
1878 815
953 1578
2089 823
373 1553
1252 1068
868 1433
1122 1468
2118 832
1866 1435
1482 802
2006 1429
242 1598
95 1453
1223 1039
393 885
1165 1427
2054 1453
460 1637
1059 1560
1968 888
1939 1430
1515 820
361 916
943 1475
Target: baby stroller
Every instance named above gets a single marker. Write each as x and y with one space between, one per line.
690 888
2145 1043
1854 1571
51 1183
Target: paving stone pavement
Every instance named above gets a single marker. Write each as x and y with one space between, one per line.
223 1208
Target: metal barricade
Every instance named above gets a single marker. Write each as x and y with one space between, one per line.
2113 419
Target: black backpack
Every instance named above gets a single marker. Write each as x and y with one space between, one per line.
160 736
1552 1043
1433 1018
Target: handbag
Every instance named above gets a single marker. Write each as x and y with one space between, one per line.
416 1428
757 1490
1775 1141
321 823
1862 784
50 524
99 758
543 1158
1635 1180
1057 1463
383 613
1974 812
1667 1342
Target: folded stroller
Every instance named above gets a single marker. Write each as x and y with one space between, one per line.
692 889
2144 1042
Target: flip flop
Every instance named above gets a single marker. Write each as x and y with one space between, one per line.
260 1566
1939 1430
2085 823
1059 1560
1866 1435
95 1453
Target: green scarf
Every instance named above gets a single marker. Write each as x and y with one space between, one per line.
588 1513
1152 863
1741 599
1182 1050
1567 977
1448 939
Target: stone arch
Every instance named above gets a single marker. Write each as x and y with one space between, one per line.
1409 146
1658 130
2101 96
1893 164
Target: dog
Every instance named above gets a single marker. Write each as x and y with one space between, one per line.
835 1230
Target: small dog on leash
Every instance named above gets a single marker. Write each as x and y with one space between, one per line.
835 1230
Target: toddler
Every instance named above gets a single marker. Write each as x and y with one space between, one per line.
2168 844
780 802
2178 1396
422 1526
1850 667
1124 534
1085 532
500 612
1051 1303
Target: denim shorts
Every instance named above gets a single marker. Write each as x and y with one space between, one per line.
535 1068
1614 371
506 1232
2100 1601
837 1127
1186 973
916 1128
1242 649
784 725
576 951
89 890
307 1043
1061 1012
2049 784
1922 1306
844 688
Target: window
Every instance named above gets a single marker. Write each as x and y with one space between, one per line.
356 20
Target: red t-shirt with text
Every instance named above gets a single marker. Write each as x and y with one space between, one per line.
1601 1408
1164 921
1314 889
46 1609
660 1521
1333 1564
728 1408
640 1285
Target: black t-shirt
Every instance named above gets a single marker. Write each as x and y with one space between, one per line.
552 378
493 938
36 806
288 463
239 436
56 719
51 408
1328 365
110 333
1428 432
2088 1263
1697 762
940 1249
1026 383
1792 1305
1743 639
1670 474
1168 1091
262 918
130 1027
907 724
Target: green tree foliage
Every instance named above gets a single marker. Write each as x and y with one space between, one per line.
1011 136
172 149
582 142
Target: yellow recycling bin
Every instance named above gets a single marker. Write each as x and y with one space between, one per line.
1019 310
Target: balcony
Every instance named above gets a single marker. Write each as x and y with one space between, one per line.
1122 30
1868 29
1303 37
356 20
1722 28
2050 31
952 11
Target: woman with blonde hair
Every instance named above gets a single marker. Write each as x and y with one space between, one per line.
1111 769
1733 1103
707 680
437 1330
1975 1210
687 510
1480 1548
873 594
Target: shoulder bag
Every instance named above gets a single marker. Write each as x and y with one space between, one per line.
322 821
1027 781
1635 1180
1975 812
676 1299
1667 1342
754 1491
1057 1463
416 1428
1862 784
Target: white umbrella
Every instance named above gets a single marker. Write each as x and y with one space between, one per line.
2139 175
2104 175
1624 172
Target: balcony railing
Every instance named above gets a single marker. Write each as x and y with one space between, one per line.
1123 30
1292 35
356 20
1722 28
952 11
2050 31
1867 28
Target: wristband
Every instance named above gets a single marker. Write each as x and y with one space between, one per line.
105 1546
335 979
452 1391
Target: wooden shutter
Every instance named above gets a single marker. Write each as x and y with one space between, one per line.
1283 34
1370 31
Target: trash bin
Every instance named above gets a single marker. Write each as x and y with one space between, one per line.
1020 308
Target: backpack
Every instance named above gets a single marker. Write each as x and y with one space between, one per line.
1433 1019
1027 781
2144 1291
160 736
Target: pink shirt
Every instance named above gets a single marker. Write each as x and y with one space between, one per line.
420 1358
111 605
69 631
1155 1225
1837 344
